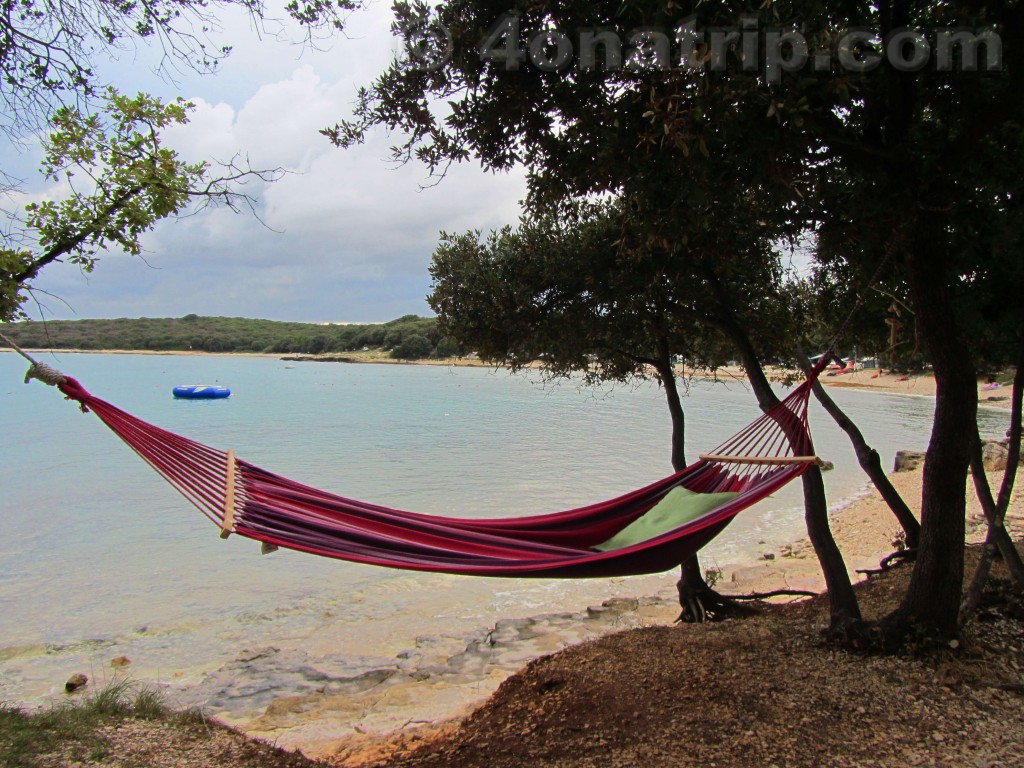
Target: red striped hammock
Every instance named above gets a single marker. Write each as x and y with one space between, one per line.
243 499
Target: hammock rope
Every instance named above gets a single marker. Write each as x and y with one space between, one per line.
41 371
246 500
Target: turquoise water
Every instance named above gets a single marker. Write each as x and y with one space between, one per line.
100 557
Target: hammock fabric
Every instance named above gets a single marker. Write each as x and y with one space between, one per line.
242 498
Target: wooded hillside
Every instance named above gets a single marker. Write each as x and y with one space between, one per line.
407 337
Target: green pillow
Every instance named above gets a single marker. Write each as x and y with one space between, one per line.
680 505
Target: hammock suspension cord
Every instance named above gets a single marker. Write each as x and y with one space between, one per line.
41 371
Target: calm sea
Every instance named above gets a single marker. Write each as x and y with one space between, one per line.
100 558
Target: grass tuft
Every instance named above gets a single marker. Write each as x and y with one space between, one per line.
149 704
192 718
110 701
74 728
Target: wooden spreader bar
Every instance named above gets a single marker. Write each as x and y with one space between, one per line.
228 524
725 459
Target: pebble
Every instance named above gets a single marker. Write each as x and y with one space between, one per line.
76 681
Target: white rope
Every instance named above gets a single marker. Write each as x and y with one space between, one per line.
45 374
41 371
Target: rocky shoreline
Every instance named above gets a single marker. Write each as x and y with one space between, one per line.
445 677
438 679
442 683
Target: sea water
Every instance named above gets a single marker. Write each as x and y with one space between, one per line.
100 558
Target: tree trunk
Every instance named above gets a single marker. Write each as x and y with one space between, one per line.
995 511
932 601
698 601
868 459
667 375
1014 433
994 515
702 603
842 599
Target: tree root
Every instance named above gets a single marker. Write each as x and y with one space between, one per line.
897 633
773 593
890 561
703 605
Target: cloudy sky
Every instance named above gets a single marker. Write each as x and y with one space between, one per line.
350 235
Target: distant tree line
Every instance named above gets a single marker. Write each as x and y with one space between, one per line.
409 337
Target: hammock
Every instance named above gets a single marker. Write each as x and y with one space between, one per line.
248 501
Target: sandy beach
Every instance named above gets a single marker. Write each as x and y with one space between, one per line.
918 384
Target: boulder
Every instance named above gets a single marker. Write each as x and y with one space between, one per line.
995 453
908 461
993 456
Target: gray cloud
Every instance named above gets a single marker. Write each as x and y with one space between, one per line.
350 236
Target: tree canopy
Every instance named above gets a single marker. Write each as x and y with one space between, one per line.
886 130
114 176
514 293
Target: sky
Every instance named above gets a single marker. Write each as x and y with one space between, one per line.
348 235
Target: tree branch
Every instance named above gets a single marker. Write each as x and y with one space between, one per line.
65 247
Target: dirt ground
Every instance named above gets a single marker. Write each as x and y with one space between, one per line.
755 692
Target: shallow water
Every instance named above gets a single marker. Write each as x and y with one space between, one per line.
100 558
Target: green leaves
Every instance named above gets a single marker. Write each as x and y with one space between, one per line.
12 262
561 289
120 180
124 179
48 49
